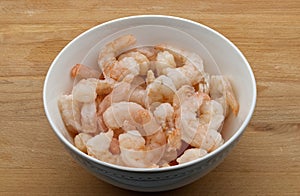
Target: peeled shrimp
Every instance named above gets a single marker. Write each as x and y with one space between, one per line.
164 60
125 66
113 68
99 146
85 90
84 72
211 114
80 141
135 114
191 154
212 140
89 118
190 73
164 115
138 152
187 104
70 112
221 91
161 90
141 59
149 52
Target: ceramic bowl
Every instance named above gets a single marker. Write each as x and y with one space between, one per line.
219 55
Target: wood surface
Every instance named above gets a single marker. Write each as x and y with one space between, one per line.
266 161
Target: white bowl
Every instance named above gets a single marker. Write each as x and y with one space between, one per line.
220 56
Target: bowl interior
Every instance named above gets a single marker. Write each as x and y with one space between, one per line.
220 57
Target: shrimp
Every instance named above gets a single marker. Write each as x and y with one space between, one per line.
191 154
98 147
212 140
221 91
141 59
161 89
125 66
164 60
149 52
173 144
138 152
89 118
164 115
83 71
211 114
187 103
123 91
190 73
85 90
70 112
80 141
105 86
115 116
108 63
210 119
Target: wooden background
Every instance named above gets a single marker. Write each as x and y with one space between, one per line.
265 162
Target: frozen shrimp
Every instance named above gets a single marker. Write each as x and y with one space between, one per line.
141 118
99 147
141 59
221 91
80 141
191 154
83 71
138 152
109 64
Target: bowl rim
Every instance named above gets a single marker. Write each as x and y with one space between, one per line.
235 136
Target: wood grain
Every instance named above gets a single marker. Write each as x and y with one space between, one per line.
265 162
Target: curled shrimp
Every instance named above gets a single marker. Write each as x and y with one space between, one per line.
187 104
164 60
138 152
164 115
161 90
83 71
141 59
190 73
80 141
99 147
86 90
109 64
115 116
191 154
70 112
89 118
149 52
123 91
221 91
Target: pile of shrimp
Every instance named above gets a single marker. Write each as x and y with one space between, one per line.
146 107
